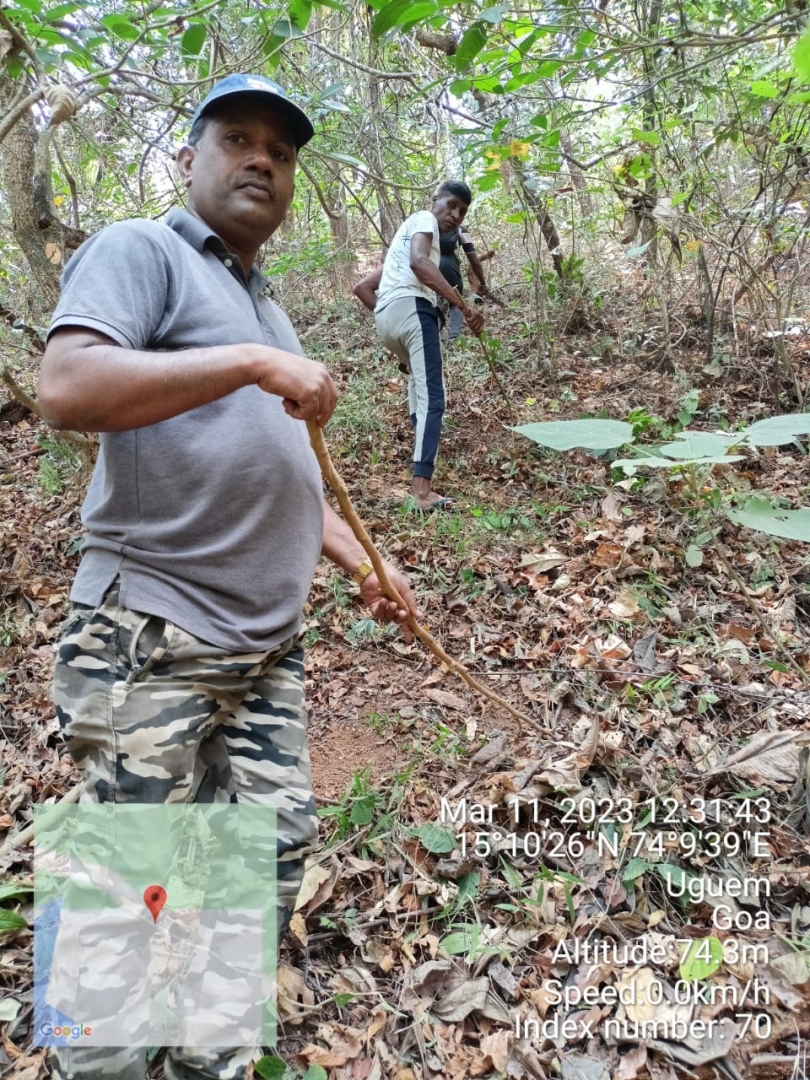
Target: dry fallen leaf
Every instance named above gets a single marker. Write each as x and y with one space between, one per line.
771 757
583 1067
345 1044
542 562
610 506
294 996
317 886
496 1047
630 1065
794 966
461 1001
62 101
625 606
446 699
6 42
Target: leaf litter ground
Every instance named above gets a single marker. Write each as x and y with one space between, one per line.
428 948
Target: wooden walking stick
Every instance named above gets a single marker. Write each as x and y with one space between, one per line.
465 310
335 481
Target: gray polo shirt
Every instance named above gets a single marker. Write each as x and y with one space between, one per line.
213 519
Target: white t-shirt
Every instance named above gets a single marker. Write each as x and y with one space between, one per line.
398 279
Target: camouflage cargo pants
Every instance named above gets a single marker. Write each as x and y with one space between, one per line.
151 714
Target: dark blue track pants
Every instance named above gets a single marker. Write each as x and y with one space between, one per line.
409 328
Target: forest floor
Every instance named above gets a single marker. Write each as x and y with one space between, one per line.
661 794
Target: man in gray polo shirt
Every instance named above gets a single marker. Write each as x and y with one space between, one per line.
205 516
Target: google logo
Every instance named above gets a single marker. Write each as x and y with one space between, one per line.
74 1032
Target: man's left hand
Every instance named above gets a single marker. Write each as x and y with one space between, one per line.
384 609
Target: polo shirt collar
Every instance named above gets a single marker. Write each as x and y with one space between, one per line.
201 237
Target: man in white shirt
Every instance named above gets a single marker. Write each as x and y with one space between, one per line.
402 293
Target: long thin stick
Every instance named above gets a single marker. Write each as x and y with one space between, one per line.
337 485
465 310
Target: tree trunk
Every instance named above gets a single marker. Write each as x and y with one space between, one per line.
346 264
577 179
44 240
544 220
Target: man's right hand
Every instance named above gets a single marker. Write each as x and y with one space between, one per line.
305 386
474 319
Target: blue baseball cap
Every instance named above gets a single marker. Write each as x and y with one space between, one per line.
272 93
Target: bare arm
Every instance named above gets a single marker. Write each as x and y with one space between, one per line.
366 288
89 383
342 547
429 274
478 270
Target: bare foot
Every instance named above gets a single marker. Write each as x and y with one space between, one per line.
424 497
433 502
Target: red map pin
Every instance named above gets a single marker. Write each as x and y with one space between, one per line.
154 896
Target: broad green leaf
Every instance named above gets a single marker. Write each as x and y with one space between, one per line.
526 78
34 6
434 839
761 515
10 920
272 50
12 892
801 56
676 880
635 869
122 28
777 430
634 252
631 464
696 444
362 811
701 959
475 38
460 86
59 11
468 887
513 878
333 105
693 556
285 29
400 12
764 89
346 159
193 40
315 1072
488 181
651 138
299 12
270 1068
494 14
454 944
549 68
584 434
